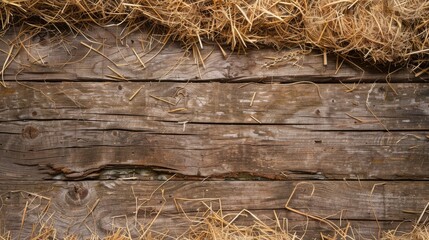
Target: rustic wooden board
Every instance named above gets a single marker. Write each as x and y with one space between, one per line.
70 203
298 106
61 152
203 130
46 57
90 130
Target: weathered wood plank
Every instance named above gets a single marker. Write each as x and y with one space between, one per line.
218 103
94 131
51 58
67 150
359 203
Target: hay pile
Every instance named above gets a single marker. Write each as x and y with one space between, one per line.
376 31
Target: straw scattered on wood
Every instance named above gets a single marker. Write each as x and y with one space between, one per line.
379 32
209 222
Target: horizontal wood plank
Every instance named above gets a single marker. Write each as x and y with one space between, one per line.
44 57
61 152
298 105
101 205
90 130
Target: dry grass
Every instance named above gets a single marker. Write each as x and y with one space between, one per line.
418 233
371 28
214 225
206 220
380 32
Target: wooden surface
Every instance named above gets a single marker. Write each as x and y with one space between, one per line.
361 203
80 130
71 138
51 58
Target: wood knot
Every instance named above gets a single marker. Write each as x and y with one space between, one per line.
317 112
77 193
30 132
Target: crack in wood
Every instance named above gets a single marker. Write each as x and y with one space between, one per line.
108 171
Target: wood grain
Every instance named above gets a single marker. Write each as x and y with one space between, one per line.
359 203
49 58
90 130
59 153
71 137
298 106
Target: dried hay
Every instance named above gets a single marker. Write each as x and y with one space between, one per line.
370 28
418 233
206 220
215 225
380 32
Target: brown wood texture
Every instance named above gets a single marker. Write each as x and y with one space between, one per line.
79 153
92 130
44 57
81 207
